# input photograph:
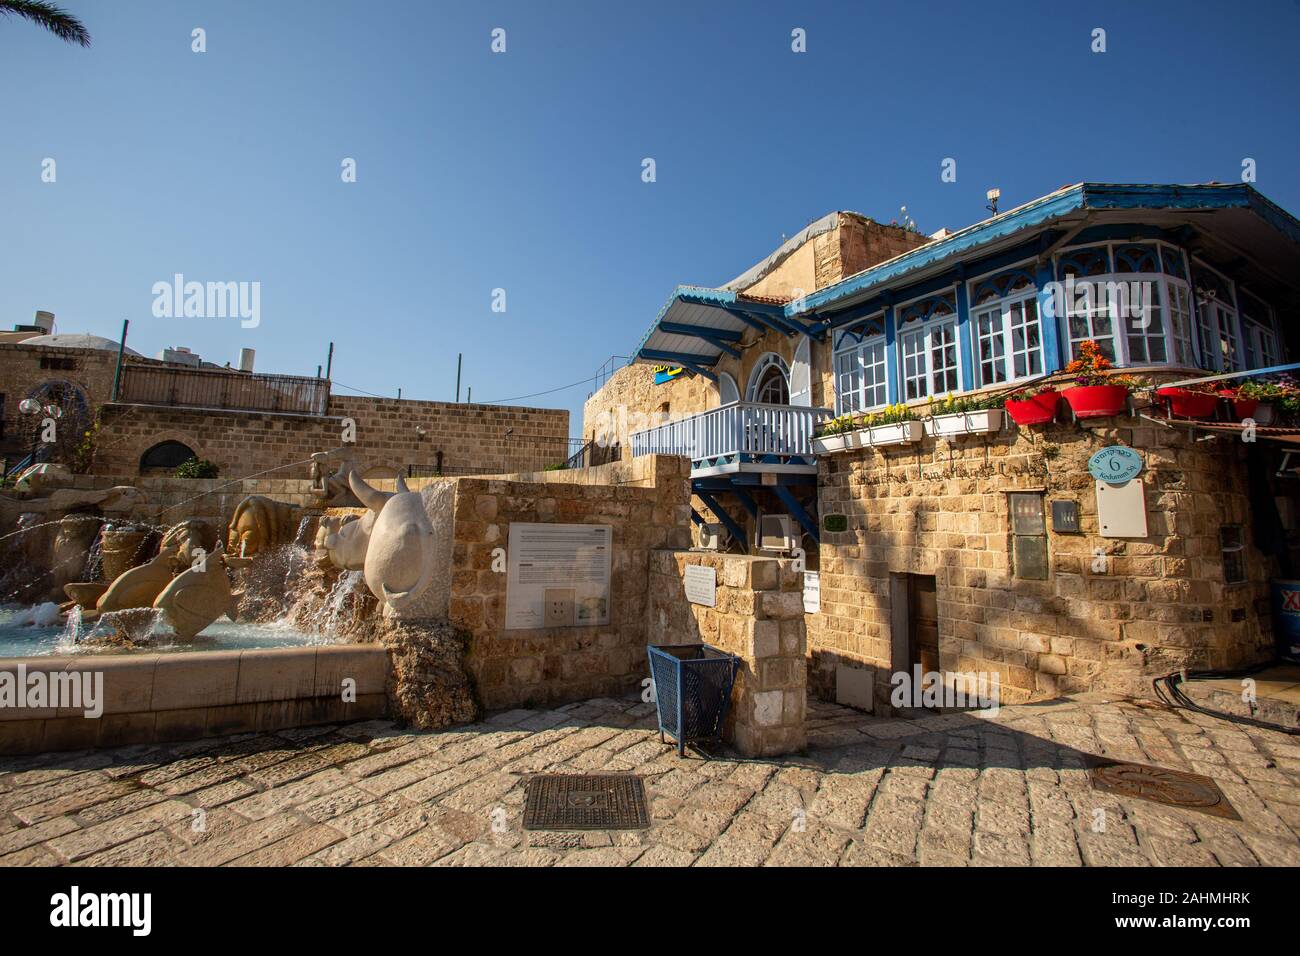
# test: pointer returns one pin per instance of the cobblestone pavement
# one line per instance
(940, 790)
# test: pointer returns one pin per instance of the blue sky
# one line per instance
(522, 170)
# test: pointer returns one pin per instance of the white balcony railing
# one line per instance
(746, 428)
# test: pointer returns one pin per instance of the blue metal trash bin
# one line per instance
(692, 684)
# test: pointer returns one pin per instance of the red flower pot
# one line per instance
(1244, 408)
(1096, 401)
(1034, 411)
(1186, 404)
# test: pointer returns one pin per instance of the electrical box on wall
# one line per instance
(1122, 509)
(1065, 516)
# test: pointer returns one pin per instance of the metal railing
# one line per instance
(741, 427)
(218, 388)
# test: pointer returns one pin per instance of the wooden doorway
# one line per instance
(914, 624)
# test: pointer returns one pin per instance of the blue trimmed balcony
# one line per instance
(738, 437)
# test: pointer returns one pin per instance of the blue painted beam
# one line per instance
(702, 372)
(747, 501)
(965, 338)
(679, 358)
(891, 358)
(700, 331)
(728, 522)
(1049, 323)
(695, 517)
(797, 510)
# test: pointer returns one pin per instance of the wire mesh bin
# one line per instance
(692, 684)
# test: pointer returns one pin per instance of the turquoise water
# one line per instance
(18, 638)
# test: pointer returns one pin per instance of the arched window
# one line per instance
(727, 390)
(769, 383)
(165, 456)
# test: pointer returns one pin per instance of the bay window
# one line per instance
(928, 346)
(1132, 299)
(1008, 337)
(1258, 338)
(1217, 328)
(860, 374)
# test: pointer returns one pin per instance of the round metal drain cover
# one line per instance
(1173, 788)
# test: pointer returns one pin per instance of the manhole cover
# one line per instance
(585, 802)
(1170, 787)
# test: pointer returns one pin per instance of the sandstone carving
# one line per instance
(185, 538)
(343, 539)
(261, 524)
(197, 597)
(138, 587)
(401, 556)
(332, 489)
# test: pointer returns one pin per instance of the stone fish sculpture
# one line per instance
(197, 597)
(401, 555)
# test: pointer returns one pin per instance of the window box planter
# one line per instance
(1096, 401)
(1038, 410)
(1189, 404)
(830, 444)
(984, 421)
(899, 433)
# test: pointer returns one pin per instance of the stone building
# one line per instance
(986, 547)
(165, 412)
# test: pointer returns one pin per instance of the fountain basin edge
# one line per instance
(156, 698)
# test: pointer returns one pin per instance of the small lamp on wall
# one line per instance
(993, 195)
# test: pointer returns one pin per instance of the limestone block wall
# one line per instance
(390, 435)
(148, 698)
(759, 617)
(554, 665)
(1113, 612)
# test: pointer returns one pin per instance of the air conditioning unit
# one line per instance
(711, 537)
(776, 533)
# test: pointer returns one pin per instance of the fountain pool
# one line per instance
(19, 637)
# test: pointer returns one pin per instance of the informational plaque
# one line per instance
(557, 575)
(812, 592)
(701, 585)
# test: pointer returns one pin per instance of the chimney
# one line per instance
(45, 321)
(246, 360)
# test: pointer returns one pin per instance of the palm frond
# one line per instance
(59, 22)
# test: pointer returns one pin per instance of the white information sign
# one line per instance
(557, 575)
(812, 592)
(701, 585)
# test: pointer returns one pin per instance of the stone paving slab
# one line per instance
(939, 790)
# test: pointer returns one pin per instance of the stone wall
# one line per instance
(166, 501)
(390, 435)
(758, 616)
(149, 698)
(1113, 612)
(553, 665)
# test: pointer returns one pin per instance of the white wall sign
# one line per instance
(701, 585)
(557, 575)
(1122, 509)
(812, 592)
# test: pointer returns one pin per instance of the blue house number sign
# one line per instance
(1115, 465)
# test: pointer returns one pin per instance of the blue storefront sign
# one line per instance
(666, 373)
(1286, 619)
(1115, 465)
